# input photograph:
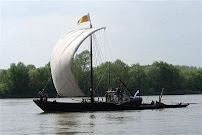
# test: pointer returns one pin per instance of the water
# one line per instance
(22, 116)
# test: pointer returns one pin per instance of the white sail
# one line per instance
(62, 60)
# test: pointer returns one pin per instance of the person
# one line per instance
(45, 97)
(114, 97)
(82, 100)
(152, 102)
(40, 93)
(117, 93)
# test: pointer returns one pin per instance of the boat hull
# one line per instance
(52, 106)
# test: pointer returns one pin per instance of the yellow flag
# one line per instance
(85, 18)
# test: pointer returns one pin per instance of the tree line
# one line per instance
(22, 80)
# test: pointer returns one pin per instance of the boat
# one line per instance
(64, 81)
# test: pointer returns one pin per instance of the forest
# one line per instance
(24, 81)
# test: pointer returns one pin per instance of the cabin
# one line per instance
(116, 96)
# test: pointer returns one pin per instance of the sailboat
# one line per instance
(64, 81)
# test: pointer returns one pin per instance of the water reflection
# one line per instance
(74, 123)
(121, 117)
(92, 116)
(67, 123)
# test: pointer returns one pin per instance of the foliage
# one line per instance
(25, 81)
(81, 70)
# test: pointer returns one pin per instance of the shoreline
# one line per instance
(87, 96)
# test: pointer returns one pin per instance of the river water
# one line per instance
(22, 116)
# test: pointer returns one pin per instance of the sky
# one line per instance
(137, 31)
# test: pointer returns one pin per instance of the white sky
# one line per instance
(138, 31)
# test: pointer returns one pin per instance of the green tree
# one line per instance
(34, 81)
(25, 81)
(138, 79)
(197, 81)
(101, 81)
(4, 84)
(169, 77)
(81, 70)
(154, 79)
(119, 70)
(19, 79)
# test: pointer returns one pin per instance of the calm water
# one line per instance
(22, 116)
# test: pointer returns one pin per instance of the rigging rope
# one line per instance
(46, 84)
(100, 57)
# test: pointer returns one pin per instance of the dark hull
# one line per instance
(176, 106)
(50, 106)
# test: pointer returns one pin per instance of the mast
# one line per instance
(91, 67)
(109, 76)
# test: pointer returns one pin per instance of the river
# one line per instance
(22, 116)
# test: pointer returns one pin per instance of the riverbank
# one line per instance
(36, 96)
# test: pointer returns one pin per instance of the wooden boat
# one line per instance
(54, 106)
(65, 84)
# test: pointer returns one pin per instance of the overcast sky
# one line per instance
(138, 31)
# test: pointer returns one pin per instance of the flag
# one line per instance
(137, 92)
(85, 18)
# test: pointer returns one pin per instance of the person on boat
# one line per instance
(40, 93)
(45, 97)
(118, 93)
(152, 102)
(114, 96)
